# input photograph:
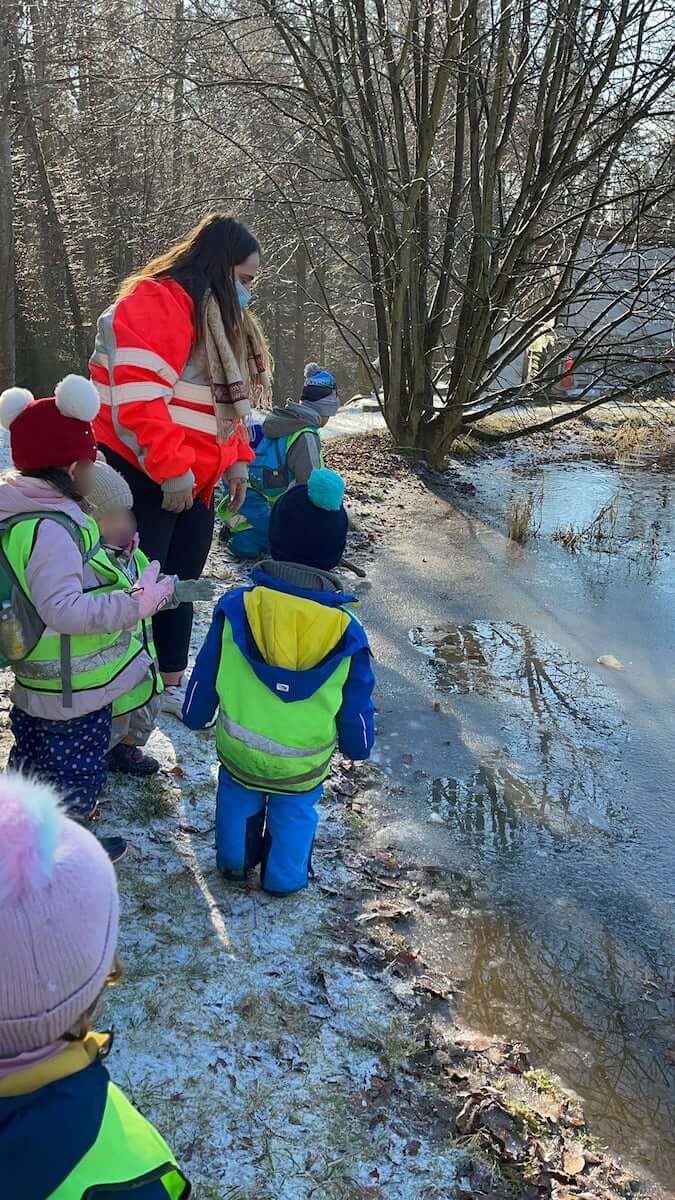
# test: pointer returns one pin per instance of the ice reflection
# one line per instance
(597, 1011)
(570, 933)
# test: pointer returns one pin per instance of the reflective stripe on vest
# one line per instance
(267, 743)
(134, 356)
(82, 662)
(49, 666)
(127, 1153)
(151, 684)
(259, 742)
(195, 413)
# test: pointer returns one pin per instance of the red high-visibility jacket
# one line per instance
(156, 403)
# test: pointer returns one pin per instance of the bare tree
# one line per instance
(485, 150)
(7, 265)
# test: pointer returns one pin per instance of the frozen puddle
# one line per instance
(569, 935)
(546, 716)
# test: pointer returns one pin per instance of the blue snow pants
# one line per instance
(270, 829)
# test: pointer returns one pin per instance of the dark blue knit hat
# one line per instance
(308, 525)
(320, 391)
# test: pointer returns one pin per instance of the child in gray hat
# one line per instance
(134, 714)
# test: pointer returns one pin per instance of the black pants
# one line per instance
(180, 542)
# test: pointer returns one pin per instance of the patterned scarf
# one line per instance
(234, 379)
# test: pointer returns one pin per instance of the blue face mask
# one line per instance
(243, 294)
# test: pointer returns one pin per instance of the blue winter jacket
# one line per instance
(355, 720)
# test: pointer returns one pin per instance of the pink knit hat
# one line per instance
(58, 917)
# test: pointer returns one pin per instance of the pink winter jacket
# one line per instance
(57, 579)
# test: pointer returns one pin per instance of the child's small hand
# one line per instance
(152, 592)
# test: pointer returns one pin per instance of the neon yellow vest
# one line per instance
(271, 459)
(265, 743)
(81, 662)
(151, 684)
(127, 1153)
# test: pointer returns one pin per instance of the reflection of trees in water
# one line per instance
(496, 660)
(497, 808)
(561, 717)
(580, 1002)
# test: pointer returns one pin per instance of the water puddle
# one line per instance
(557, 715)
(568, 941)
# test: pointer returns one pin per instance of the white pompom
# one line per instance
(12, 402)
(77, 397)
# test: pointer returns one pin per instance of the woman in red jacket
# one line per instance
(177, 361)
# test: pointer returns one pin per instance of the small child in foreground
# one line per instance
(135, 713)
(66, 1131)
(288, 666)
(81, 652)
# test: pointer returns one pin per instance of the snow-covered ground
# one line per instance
(245, 1026)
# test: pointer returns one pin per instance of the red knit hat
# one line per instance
(55, 432)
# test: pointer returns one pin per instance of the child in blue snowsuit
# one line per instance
(288, 667)
(287, 449)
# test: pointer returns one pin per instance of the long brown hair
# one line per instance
(203, 261)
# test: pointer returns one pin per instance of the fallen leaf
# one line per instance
(413, 1147)
(407, 957)
(213, 1067)
(503, 1127)
(573, 1162)
(475, 1041)
(431, 988)
(384, 911)
(344, 787)
(385, 857)
(407, 759)
(177, 771)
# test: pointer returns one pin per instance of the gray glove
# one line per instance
(177, 502)
(194, 589)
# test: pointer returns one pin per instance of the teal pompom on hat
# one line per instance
(326, 489)
(308, 525)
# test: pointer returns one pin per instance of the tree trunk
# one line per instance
(7, 264)
(34, 148)
(300, 296)
(178, 57)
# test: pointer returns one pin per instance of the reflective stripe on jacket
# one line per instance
(152, 378)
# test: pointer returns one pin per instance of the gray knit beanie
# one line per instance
(109, 490)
